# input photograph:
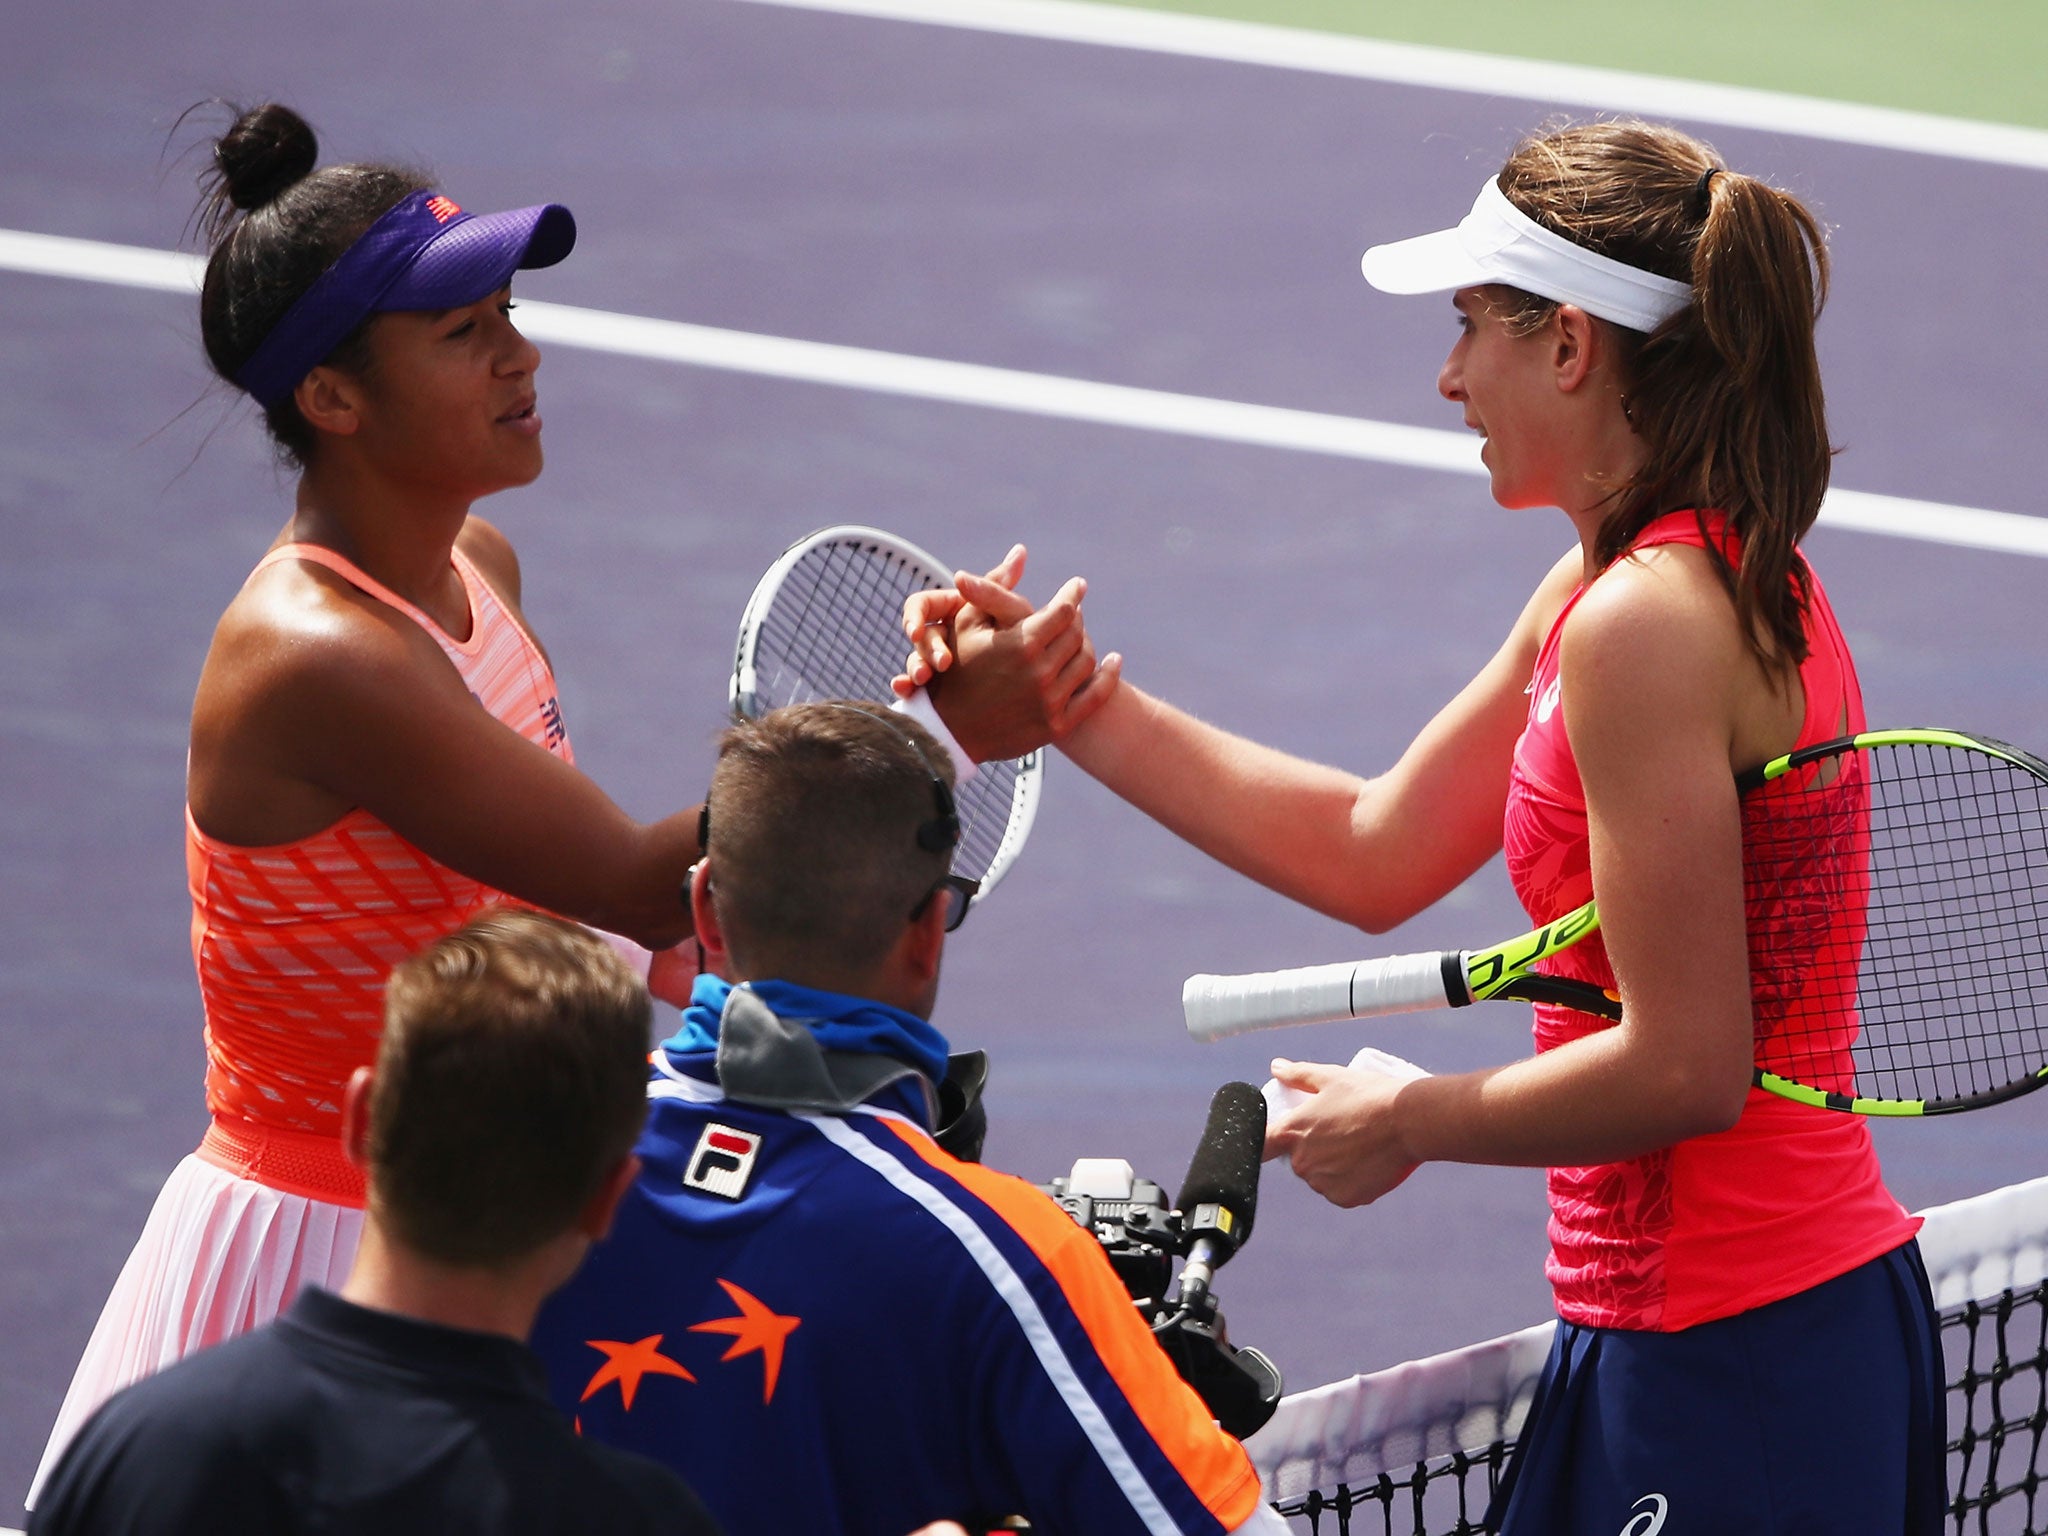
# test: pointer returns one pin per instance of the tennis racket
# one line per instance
(826, 622)
(1901, 879)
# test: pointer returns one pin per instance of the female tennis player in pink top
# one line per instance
(378, 749)
(1747, 1340)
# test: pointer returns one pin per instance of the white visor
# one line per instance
(1498, 243)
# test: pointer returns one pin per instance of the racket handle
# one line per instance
(919, 707)
(1218, 1006)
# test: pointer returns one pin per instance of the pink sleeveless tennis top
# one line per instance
(293, 942)
(1790, 1195)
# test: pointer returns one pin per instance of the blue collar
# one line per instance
(855, 1025)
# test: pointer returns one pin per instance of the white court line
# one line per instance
(95, 261)
(1450, 69)
(1009, 389)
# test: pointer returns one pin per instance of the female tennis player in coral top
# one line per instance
(378, 750)
(1747, 1339)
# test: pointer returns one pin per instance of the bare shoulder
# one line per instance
(304, 668)
(300, 631)
(1669, 598)
(1657, 631)
(486, 545)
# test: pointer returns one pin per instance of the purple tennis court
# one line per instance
(1056, 209)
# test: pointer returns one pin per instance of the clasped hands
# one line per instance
(1007, 678)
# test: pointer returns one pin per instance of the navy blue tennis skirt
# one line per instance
(1820, 1414)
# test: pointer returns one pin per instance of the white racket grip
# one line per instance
(1220, 1006)
(919, 707)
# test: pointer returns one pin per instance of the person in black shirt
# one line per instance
(496, 1132)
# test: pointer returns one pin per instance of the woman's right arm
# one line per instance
(1371, 852)
(338, 704)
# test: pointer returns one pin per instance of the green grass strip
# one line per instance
(1981, 59)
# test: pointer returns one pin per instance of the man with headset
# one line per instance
(821, 1317)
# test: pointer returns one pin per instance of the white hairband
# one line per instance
(1498, 243)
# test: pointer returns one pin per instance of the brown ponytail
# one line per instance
(1726, 395)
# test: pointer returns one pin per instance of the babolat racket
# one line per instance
(1902, 878)
(826, 622)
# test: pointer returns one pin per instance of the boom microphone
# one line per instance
(1220, 1196)
(1130, 1219)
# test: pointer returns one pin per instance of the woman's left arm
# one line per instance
(1654, 680)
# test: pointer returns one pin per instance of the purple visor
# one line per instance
(426, 253)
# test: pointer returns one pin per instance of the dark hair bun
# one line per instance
(268, 148)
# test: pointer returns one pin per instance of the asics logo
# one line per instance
(1650, 1521)
(1547, 705)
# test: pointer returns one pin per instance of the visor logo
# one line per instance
(722, 1162)
(443, 209)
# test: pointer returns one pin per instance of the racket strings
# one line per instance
(808, 649)
(1980, 908)
(824, 635)
(1937, 991)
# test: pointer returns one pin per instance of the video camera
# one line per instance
(1205, 1226)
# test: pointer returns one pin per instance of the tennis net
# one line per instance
(1417, 1450)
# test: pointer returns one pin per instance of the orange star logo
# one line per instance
(756, 1327)
(627, 1363)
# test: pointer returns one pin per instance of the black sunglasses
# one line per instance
(960, 893)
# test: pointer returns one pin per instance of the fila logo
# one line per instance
(443, 209)
(723, 1161)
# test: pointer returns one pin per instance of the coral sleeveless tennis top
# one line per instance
(1790, 1195)
(293, 942)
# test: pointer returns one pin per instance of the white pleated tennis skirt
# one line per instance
(220, 1255)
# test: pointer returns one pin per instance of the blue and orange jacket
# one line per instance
(826, 1323)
